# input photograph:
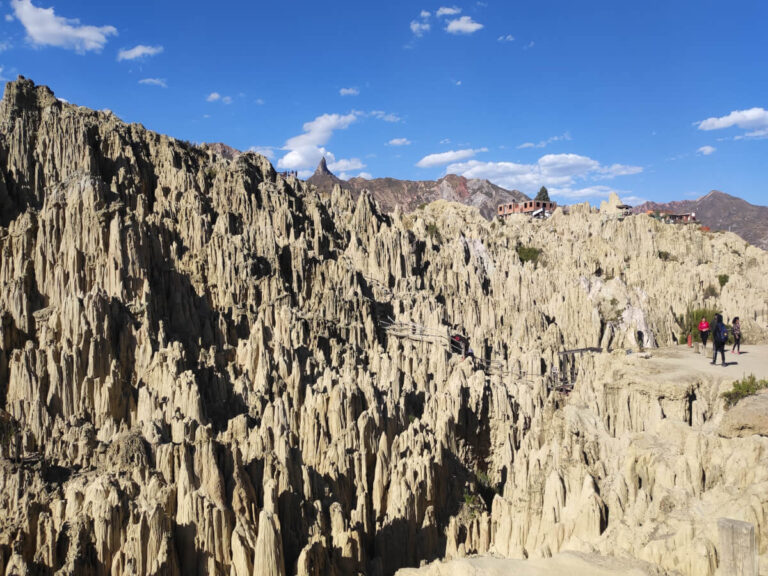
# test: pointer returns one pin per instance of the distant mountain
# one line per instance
(325, 180)
(223, 150)
(409, 195)
(720, 211)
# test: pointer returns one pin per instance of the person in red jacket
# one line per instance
(704, 331)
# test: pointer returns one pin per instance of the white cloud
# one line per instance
(259, 101)
(445, 141)
(754, 135)
(305, 150)
(441, 158)
(419, 28)
(566, 165)
(9, 17)
(425, 14)
(139, 51)
(544, 143)
(752, 119)
(154, 82)
(457, 82)
(365, 175)
(448, 11)
(386, 116)
(530, 45)
(619, 170)
(633, 200)
(346, 164)
(349, 91)
(584, 193)
(216, 97)
(560, 171)
(319, 131)
(267, 151)
(506, 38)
(44, 28)
(463, 25)
(2, 78)
(706, 150)
(304, 158)
(5, 45)
(399, 142)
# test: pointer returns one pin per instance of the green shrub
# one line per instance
(665, 256)
(710, 291)
(422, 206)
(471, 500)
(484, 480)
(743, 388)
(528, 254)
(689, 322)
(434, 232)
(723, 279)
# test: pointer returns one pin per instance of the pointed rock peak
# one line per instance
(322, 168)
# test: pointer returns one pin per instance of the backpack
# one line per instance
(722, 333)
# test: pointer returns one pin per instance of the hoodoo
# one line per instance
(196, 374)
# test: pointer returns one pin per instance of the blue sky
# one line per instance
(656, 100)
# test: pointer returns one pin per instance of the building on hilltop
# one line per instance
(533, 208)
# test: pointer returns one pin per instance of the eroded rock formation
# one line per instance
(191, 352)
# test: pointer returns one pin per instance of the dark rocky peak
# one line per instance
(322, 169)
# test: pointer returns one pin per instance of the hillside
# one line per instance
(208, 368)
(720, 211)
(409, 195)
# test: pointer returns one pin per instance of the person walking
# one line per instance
(704, 331)
(719, 337)
(736, 331)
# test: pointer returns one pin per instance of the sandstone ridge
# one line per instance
(195, 378)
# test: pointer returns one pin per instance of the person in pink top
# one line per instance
(704, 331)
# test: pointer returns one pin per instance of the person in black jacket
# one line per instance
(719, 338)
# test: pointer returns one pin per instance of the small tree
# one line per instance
(528, 254)
(543, 195)
(723, 279)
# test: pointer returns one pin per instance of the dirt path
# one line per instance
(566, 563)
(681, 360)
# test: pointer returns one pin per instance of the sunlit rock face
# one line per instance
(193, 362)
